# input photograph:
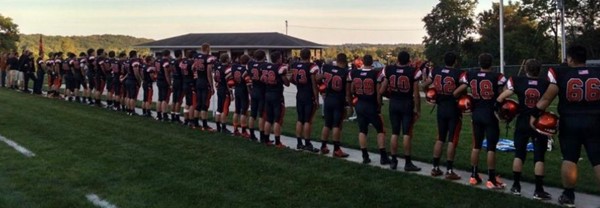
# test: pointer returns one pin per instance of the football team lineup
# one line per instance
(255, 86)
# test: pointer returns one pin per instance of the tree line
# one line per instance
(531, 29)
(78, 44)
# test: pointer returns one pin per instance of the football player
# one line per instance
(163, 82)
(177, 86)
(336, 99)
(132, 78)
(90, 76)
(242, 80)
(189, 91)
(529, 90)
(274, 75)
(402, 83)
(101, 66)
(221, 76)
(485, 86)
(203, 69)
(366, 85)
(578, 91)
(449, 118)
(149, 76)
(257, 96)
(304, 77)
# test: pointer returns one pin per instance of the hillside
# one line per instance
(79, 43)
(378, 51)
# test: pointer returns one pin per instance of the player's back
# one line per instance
(529, 91)
(579, 89)
(301, 77)
(445, 81)
(271, 75)
(254, 70)
(401, 81)
(238, 72)
(485, 88)
(364, 84)
(335, 78)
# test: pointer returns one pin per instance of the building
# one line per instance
(236, 44)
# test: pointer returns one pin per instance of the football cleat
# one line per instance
(495, 185)
(366, 160)
(451, 175)
(435, 172)
(384, 160)
(475, 180)
(207, 129)
(340, 153)
(542, 195)
(411, 168)
(280, 146)
(310, 148)
(566, 201)
(299, 147)
(394, 164)
(515, 190)
(324, 150)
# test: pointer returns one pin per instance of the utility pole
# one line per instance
(561, 7)
(286, 27)
(502, 36)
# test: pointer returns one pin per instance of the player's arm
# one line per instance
(417, 98)
(462, 89)
(282, 72)
(315, 89)
(426, 83)
(138, 75)
(168, 71)
(209, 74)
(379, 101)
(509, 91)
(548, 97)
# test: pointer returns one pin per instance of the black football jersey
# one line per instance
(221, 73)
(401, 80)
(187, 69)
(177, 71)
(272, 76)
(302, 78)
(364, 83)
(201, 64)
(162, 66)
(579, 89)
(528, 90)
(335, 78)
(485, 87)
(254, 70)
(445, 81)
(238, 72)
(147, 71)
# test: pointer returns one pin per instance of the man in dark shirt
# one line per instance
(27, 68)
(203, 70)
(274, 75)
(304, 77)
(13, 72)
(177, 85)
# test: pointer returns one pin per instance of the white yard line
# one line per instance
(17, 147)
(96, 200)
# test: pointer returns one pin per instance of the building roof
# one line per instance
(233, 41)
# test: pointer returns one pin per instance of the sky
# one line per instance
(321, 21)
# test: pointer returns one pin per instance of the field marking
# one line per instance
(17, 147)
(96, 200)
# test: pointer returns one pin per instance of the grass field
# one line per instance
(137, 162)
(425, 132)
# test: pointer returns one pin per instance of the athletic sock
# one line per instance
(539, 183)
(224, 126)
(365, 153)
(569, 192)
(492, 175)
(252, 132)
(204, 123)
(277, 139)
(449, 164)
(323, 144)
(436, 162)
(407, 159)
(243, 129)
(307, 142)
(299, 139)
(159, 115)
(517, 178)
(219, 126)
(336, 145)
(394, 157)
(474, 171)
(382, 153)
(166, 116)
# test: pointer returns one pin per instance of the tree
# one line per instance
(548, 16)
(524, 36)
(583, 24)
(448, 25)
(9, 34)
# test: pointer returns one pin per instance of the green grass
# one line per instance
(136, 162)
(425, 132)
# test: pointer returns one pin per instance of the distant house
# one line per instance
(236, 44)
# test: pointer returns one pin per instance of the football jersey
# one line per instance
(485, 87)
(302, 78)
(335, 78)
(528, 90)
(177, 72)
(147, 72)
(133, 64)
(401, 80)
(254, 70)
(221, 72)
(364, 83)
(201, 64)
(114, 67)
(71, 66)
(445, 81)
(579, 89)
(101, 67)
(186, 69)
(272, 76)
(238, 72)
(91, 64)
(162, 66)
